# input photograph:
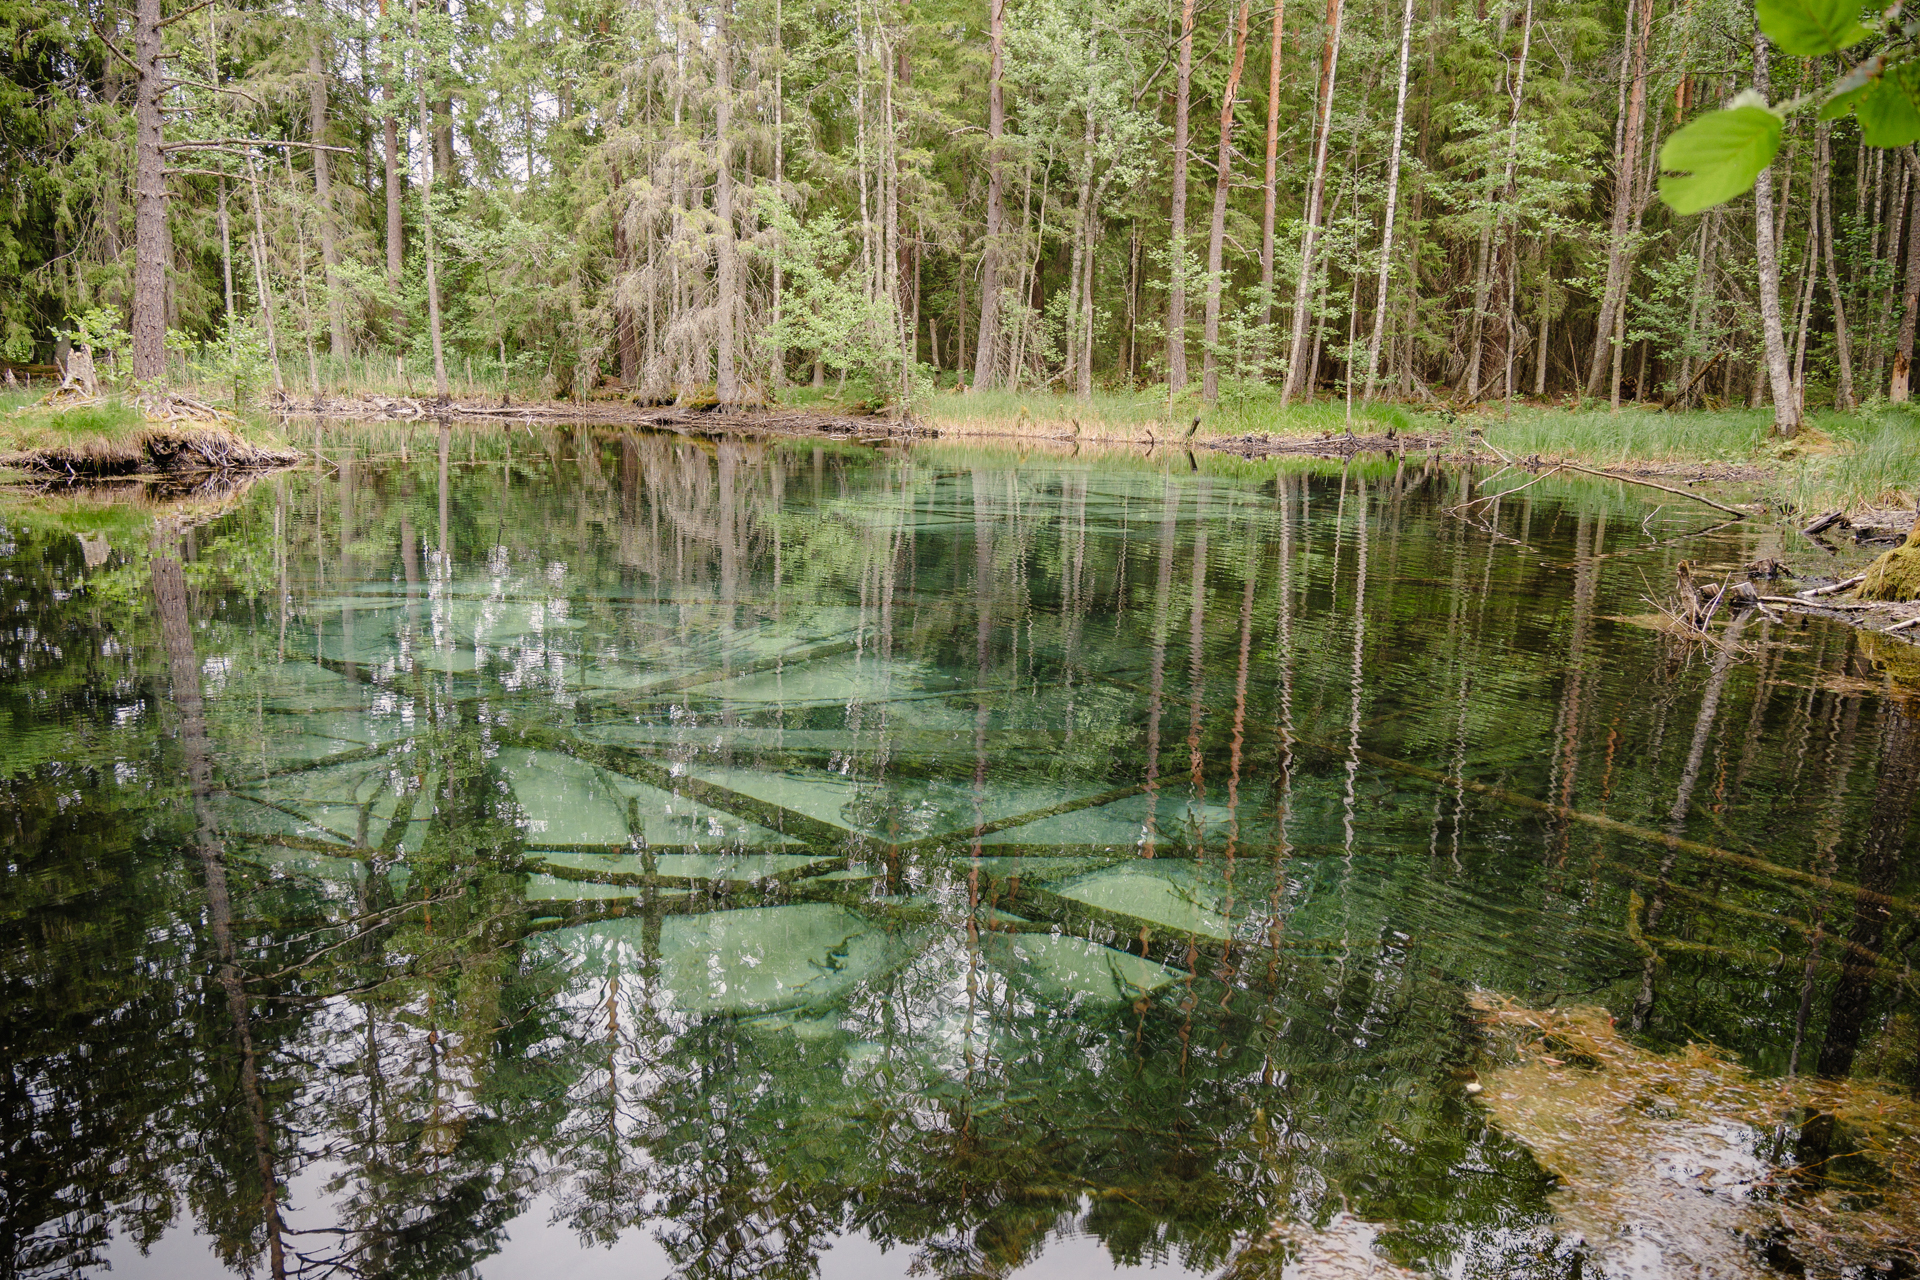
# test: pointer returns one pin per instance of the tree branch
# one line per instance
(113, 48)
(184, 13)
(222, 144)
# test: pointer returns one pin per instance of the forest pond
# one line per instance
(577, 853)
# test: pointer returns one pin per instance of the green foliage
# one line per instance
(1717, 157)
(1809, 28)
(1888, 116)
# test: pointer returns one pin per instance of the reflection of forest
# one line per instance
(753, 843)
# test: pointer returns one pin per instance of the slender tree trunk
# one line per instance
(390, 133)
(1177, 232)
(1803, 310)
(426, 225)
(1316, 193)
(260, 278)
(1077, 298)
(727, 285)
(1897, 391)
(149, 201)
(1842, 339)
(1626, 166)
(1785, 419)
(1273, 163)
(1546, 314)
(1492, 238)
(1217, 232)
(323, 196)
(779, 355)
(987, 337)
(1893, 242)
(226, 261)
(1393, 201)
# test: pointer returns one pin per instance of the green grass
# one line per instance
(30, 426)
(1849, 461)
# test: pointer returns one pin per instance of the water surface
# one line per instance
(586, 854)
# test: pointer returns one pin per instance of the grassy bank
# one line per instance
(1856, 461)
(112, 437)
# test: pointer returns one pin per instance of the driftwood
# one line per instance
(1832, 588)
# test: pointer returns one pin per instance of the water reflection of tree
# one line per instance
(451, 1073)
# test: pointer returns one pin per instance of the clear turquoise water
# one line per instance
(584, 854)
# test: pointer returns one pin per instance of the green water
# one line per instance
(568, 854)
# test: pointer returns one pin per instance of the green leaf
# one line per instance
(1809, 28)
(1887, 114)
(1841, 104)
(1717, 157)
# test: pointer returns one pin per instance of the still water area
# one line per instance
(577, 853)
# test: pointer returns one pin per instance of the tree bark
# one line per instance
(390, 133)
(727, 285)
(149, 202)
(1897, 391)
(1217, 231)
(323, 196)
(1316, 192)
(1393, 200)
(1273, 164)
(1177, 232)
(1785, 418)
(1626, 163)
(986, 338)
(426, 226)
(1842, 339)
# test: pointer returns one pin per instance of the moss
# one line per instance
(1895, 575)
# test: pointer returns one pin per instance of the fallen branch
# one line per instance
(1833, 587)
(1735, 512)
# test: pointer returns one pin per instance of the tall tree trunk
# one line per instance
(1893, 242)
(1785, 418)
(1393, 200)
(1897, 391)
(1492, 238)
(778, 376)
(1272, 182)
(1842, 339)
(625, 337)
(390, 133)
(1217, 231)
(426, 225)
(323, 196)
(149, 202)
(1546, 314)
(444, 166)
(1177, 232)
(1626, 166)
(986, 339)
(262, 286)
(1077, 293)
(726, 382)
(1316, 192)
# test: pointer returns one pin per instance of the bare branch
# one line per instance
(184, 13)
(113, 48)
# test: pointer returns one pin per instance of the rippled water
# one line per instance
(482, 851)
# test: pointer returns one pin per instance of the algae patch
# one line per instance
(1688, 1165)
